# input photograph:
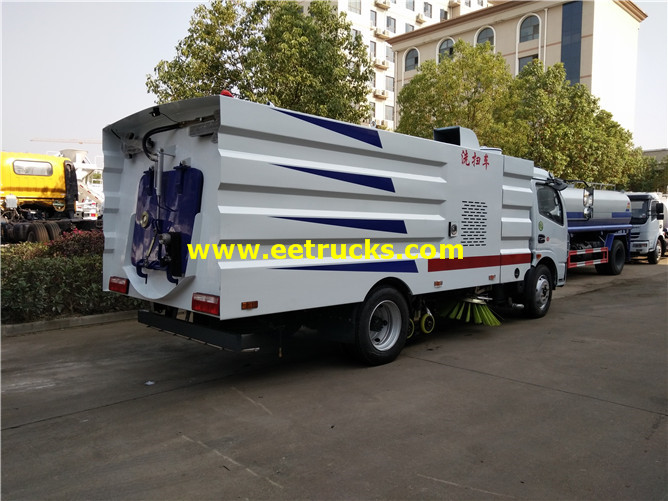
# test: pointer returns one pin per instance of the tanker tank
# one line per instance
(611, 209)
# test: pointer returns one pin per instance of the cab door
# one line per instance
(550, 233)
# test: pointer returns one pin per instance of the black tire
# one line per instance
(616, 259)
(381, 326)
(538, 292)
(655, 256)
(53, 230)
(37, 233)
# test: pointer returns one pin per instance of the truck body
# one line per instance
(647, 233)
(298, 188)
(38, 197)
(598, 235)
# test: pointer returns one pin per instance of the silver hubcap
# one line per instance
(385, 325)
(542, 291)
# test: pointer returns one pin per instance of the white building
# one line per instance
(379, 20)
(596, 40)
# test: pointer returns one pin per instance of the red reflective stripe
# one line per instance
(477, 262)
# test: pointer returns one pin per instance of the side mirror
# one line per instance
(588, 212)
(659, 211)
(588, 197)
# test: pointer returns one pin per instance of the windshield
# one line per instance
(639, 211)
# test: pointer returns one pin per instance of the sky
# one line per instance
(70, 68)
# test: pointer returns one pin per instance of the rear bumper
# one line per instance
(226, 340)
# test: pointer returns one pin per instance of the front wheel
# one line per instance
(655, 256)
(538, 292)
(381, 326)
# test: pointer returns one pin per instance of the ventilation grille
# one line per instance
(474, 224)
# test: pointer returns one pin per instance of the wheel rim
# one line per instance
(385, 325)
(542, 293)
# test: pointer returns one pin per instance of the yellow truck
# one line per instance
(38, 195)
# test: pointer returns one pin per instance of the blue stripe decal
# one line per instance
(586, 229)
(364, 134)
(380, 183)
(376, 266)
(387, 225)
(615, 215)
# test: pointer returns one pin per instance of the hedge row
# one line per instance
(59, 278)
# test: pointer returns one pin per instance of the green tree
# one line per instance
(538, 115)
(208, 60)
(270, 51)
(566, 130)
(470, 89)
(652, 176)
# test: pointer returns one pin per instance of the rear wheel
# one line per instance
(37, 233)
(538, 292)
(655, 256)
(616, 259)
(381, 326)
(53, 230)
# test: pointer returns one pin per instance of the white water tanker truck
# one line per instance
(599, 234)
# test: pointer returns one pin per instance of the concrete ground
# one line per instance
(571, 406)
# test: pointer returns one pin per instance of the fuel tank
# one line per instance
(611, 208)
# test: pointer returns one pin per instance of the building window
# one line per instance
(412, 60)
(467, 3)
(529, 29)
(355, 6)
(486, 35)
(389, 112)
(356, 33)
(523, 61)
(389, 53)
(481, 3)
(372, 110)
(391, 24)
(446, 49)
(427, 9)
(374, 18)
(389, 83)
(410, 4)
(372, 49)
(409, 27)
(571, 39)
(443, 16)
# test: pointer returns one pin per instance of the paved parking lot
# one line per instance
(572, 406)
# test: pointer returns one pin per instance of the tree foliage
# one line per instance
(270, 51)
(538, 115)
(467, 89)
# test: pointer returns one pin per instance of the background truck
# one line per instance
(599, 228)
(38, 197)
(218, 170)
(647, 235)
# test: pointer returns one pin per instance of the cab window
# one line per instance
(549, 204)
(32, 168)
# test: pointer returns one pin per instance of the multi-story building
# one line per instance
(596, 40)
(379, 20)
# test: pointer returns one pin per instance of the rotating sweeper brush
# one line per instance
(472, 310)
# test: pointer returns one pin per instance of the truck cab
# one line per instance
(647, 237)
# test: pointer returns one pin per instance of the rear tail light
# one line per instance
(118, 284)
(206, 303)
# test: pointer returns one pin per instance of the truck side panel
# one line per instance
(273, 176)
